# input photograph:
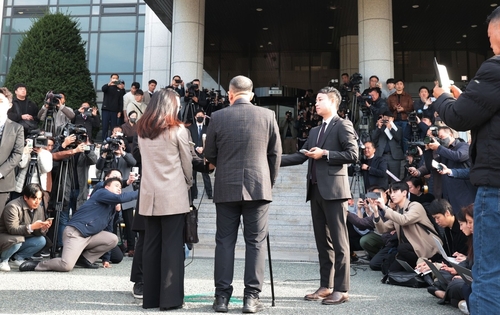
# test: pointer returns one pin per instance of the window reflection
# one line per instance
(116, 52)
(118, 23)
(21, 25)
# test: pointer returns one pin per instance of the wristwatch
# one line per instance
(325, 154)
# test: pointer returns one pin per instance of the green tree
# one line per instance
(51, 56)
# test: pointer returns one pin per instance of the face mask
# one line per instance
(445, 142)
(200, 119)
(133, 120)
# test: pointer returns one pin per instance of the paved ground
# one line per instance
(108, 291)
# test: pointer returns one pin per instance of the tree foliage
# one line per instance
(51, 56)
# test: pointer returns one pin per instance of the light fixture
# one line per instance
(265, 28)
(212, 44)
(269, 43)
(473, 25)
(332, 7)
(464, 36)
(329, 43)
(404, 26)
(493, 5)
(395, 43)
(331, 27)
(258, 9)
(20, 12)
(415, 6)
(261, 46)
(459, 42)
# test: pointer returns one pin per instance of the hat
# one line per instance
(139, 92)
(388, 113)
(18, 85)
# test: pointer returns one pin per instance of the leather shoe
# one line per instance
(251, 304)
(320, 294)
(220, 304)
(336, 297)
(84, 263)
(432, 290)
(28, 265)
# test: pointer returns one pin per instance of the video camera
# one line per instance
(52, 99)
(38, 137)
(79, 131)
(114, 144)
(192, 89)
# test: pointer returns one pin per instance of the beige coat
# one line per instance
(166, 173)
(422, 242)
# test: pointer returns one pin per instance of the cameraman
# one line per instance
(62, 116)
(417, 129)
(117, 158)
(178, 85)
(377, 105)
(288, 133)
(196, 95)
(87, 117)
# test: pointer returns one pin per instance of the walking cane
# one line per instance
(270, 270)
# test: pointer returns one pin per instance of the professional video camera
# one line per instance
(52, 99)
(38, 138)
(192, 89)
(79, 131)
(113, 144)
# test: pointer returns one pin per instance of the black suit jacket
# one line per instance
(381, 139)
(340, 140)
(193, 129)
(376, 175)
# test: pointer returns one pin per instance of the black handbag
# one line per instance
(191, 226)
(408, 279)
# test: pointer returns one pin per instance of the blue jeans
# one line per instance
(486, 268)
(24, 250)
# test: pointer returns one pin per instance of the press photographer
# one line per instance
(288, 133)
(375, 103)
(195, 95)
(55, 108)
(88, 117)
(113, 155)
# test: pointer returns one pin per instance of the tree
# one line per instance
(51, 56)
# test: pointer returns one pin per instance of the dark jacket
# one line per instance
(380, 139)
(478, 109)
(97, 213)
(454, 240)
(90, 123)
(113, 98)
(405, 100)
(376, 175)
(17, 110)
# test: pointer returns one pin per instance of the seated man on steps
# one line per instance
(88, 234)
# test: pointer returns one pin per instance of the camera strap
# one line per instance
(138, 108)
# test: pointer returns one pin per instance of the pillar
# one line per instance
(349, 50)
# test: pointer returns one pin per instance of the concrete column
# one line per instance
(157, 44)
(349, 58)
(188, 33)
(376, 51)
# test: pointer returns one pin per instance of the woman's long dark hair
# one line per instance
(160, 114)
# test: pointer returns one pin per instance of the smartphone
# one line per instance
(372, 195)
(437, 165)
(49, 219)
(303, 151)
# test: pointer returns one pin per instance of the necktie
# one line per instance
(199, 132)
(321, 135)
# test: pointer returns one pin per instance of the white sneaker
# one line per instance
(462, 306)
(4, 266)
(17, 262)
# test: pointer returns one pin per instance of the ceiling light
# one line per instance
(259, 9)
(404, 26)
(459, 42)
(473, 25)
(329, 43)
(265, 28)
(415, 6)
(395, 43)
(464, 36)
(332, 7)
(493, 5)
(261, 46)
(20, 12)
(331, 27)
(269, 43)
(212, 44)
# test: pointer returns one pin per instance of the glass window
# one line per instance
(118, 23)
(9, 2)
(141, 23)
(6, 25)
(118, 10)
(2, 80)
(95, 10)
(92, 52)
(142, 10)
(5, 53)
(119, 1)
(95, 24)
(83, 23)
(8, 12)
(74, 1)
(53, 2)
(21, 25)
(31, 2)
(85, 38)
(140, 52)
(75, 10)
(116, 52)
(14, 44)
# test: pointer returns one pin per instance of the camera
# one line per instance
(178, 81)
(434, 131)
(113, 144)
(87, 112)
(52, 99)
(367, 98)
(79, 131)
(38, 138)
(428, 140)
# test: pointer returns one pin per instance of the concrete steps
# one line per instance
(290, 228)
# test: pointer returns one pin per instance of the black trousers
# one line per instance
(163, 262)
(255, 227)
(332, 241)
(136, 271)
(128, 218)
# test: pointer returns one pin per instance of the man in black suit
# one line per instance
(373, 168)
(330, 148)
(247, 158)
(197, 131)
(12, 144)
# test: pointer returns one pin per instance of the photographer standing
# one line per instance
(112, 104)
(377, 105)
(63, 114)
(196, 95)
(23, 111)
(288, 134)
(87, 117)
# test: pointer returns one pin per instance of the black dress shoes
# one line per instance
(84, 263)
(220, 304)
(251, 305)
(28, 265)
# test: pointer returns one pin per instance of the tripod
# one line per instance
(357, 182)
(189, 113)
(49, 125)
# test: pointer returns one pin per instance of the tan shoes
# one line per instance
(320, 294)
(336, 297)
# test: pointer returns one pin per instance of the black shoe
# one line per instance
(210, 197)
(84, 263)
(28, 265)
(251, 305)
(137, 290)
(220, 304)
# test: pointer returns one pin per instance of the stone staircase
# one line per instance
(290, 228)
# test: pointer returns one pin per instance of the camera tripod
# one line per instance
(357, 182)
(49, 125)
